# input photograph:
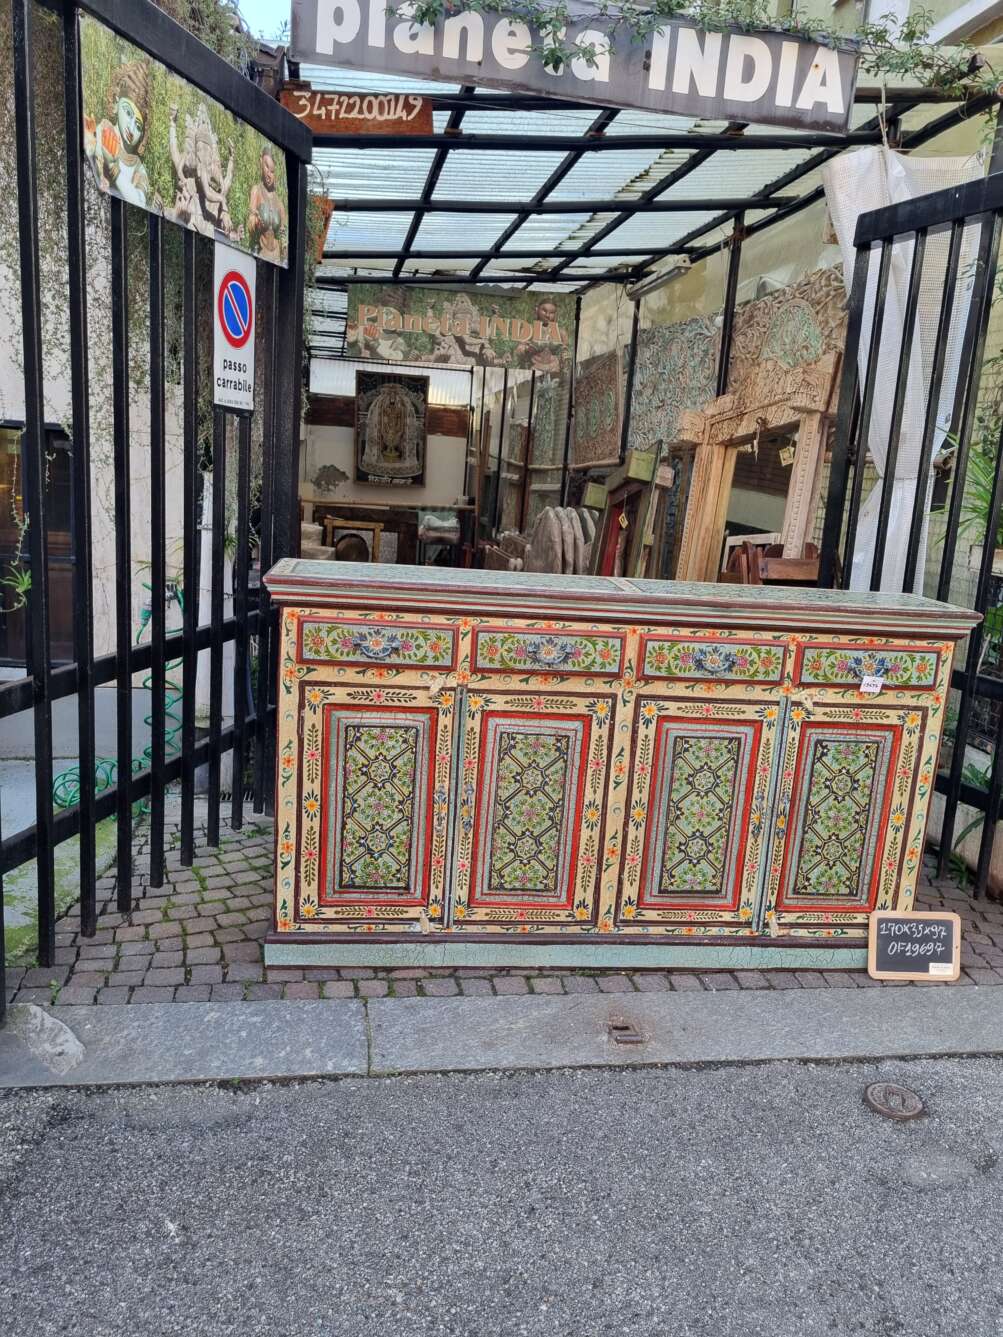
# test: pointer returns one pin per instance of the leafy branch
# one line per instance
(886, 46)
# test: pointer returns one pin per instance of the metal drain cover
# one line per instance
(893, 1102)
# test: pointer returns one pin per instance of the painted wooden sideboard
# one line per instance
(495, 768)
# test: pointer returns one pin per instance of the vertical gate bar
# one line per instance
(496, 509)
(83, 590)
(33, 456)
(730, 297)
(241, 568)
(479, 456)
(933, 400)
(262, 725)
(190, 550)
(866, 405)
(966, 397)
(123, 550)
(289, 385)
(968, 694)
(898, 403)
(524, 495)
(847, 424)
(628, 393)
(3, 942)
(158, 553)
(219, 435)
(964, 414)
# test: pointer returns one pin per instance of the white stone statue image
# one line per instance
(202, 186)
(115, 144)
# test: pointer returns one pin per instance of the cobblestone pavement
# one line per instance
(199, 939)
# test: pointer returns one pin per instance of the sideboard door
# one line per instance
(368, 773)
(692, 847)
(532, 799)
(849, 817)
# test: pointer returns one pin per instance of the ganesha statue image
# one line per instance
(115, 145)
(202, 187)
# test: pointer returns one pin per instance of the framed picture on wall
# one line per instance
(353, 541)
(391, 413)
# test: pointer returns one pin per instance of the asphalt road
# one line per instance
(746, 1201)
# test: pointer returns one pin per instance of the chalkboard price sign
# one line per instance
(922, 945)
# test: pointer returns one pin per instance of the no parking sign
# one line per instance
(233, 322)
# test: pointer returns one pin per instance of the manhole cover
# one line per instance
(894, 1102)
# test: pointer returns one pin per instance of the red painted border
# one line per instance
(425, 860)
(364, 664)
(560, 671)
(866, 646)
(815, 907)
(703, 677)
(473, 898)
(650, 831)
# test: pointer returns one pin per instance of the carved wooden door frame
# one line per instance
(773, 399)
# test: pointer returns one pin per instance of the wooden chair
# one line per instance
(752, 565)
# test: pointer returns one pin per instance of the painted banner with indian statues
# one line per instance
(160, 143)
(464, 328)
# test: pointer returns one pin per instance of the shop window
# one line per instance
(15, 562)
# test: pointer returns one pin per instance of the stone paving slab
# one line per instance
(267, 1041)
(199, 938)
(409, 1036)
(202, 1042)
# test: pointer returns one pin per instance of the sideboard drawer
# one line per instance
(913, 668)
(361, 644)
(543, 650)
(691, 657)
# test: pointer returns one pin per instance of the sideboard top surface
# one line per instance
(362, 585)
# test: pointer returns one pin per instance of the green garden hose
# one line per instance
(66, 786)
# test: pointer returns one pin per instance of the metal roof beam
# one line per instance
(639, 206)
(597, 128)
(431, 181)
(463, 280)
(554, 253)
(579, 144)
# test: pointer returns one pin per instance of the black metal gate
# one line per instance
(139, 246)
(944, 246)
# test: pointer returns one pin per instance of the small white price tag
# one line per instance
(870, 685)
(942, 968)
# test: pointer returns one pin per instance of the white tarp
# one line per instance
(855, 183)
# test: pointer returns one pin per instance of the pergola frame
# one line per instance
(776, 196)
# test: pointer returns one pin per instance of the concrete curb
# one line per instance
(196, 1042)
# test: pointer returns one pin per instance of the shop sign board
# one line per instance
(327, 113)
(157, 142)
(461, 327)
(768, 78)
(918, 945)
(233, 330)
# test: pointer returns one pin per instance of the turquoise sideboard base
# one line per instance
(573, 956)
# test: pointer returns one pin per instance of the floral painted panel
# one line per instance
(531, 810)
(838, 815)
(325, 641)
(846, 665)
(376, 797)
(701, 775)
(722, 659)
(696, 818)
(597, 412)
(547, 652)
(526, 832)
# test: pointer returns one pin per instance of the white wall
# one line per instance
(444, 463)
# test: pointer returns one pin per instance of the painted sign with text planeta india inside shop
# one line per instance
(532, 330)
(769, 78)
